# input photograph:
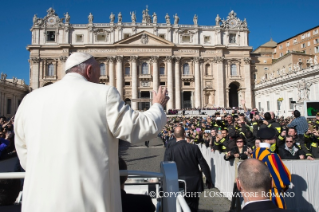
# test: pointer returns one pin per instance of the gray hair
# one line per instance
(81, 68)
(254, 176)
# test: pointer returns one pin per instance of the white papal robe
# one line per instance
(66, 137)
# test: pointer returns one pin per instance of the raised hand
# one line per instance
(160, 97)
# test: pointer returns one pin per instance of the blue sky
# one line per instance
(277, 19)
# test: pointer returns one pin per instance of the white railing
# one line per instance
(169, 183)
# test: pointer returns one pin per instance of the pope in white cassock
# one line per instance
(66, 137)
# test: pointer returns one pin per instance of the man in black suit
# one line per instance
(133, 202)
(187, 157)
(254, 183)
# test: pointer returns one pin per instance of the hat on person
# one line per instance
(318, 114)
(266, 133)
(76, 59)
(241, 114)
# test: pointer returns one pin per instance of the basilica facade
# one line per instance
(201, 66)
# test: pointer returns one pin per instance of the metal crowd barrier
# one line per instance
(302, 196)
(169, 184)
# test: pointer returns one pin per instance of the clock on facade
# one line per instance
(232, 23)
(51, 21)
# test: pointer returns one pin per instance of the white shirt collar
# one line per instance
(264, 145)
(246, 203)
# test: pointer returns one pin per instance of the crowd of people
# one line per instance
(7, 148)
(235, 134)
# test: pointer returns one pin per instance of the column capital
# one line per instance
(35, 59)
(218, 59)
(197, 59)
(110, 59)
(247, 60)
(133, 58)
(154, 59)
(119, 59)
(177, 59)
(169, 59)
(63, 58)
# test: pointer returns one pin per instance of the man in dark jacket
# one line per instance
(187, 158)
(290, 150)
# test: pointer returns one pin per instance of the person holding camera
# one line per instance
(240, 151)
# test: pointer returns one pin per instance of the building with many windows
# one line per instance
(12, 92)
(202, 66)
(286, 72)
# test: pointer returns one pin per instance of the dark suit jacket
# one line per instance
(285, 154)
(170, 142)
(235, 150)
(136, 203)
(187, 157)
(264, 206)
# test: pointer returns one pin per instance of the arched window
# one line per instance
(127, 69)
(50, 72)
(162, 69)
(145, 68)
(102, 69)
(186, 69)
(207, 69)
(233, 70)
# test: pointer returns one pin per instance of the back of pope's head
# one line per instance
(254, 176)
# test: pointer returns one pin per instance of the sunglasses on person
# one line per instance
(239, 141)
(289, 141)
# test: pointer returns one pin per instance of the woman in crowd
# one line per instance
(240, 151)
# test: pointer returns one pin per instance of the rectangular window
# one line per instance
(162, 70)
(232, 38)
(259, 106)
(206, 39)
(101, 37)
(79, 38)
(316, 49)
(308, 34)
(127, 83)
(308, 43)
(316, 41)
(315, 31)
(281, 54)
(295, 40)
(278, 105)
(291, 105)
(275, 50)
(303, 45)
(162, 36)
(162, 83)
(127, 71)
(51, 36)
(280, 47)
(268, 106)
(287, 44)
(186, 39)
(233, 70)
(187, 83)
(8, 106)
(302, 36)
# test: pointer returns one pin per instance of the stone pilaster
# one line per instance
(177, 83)
(220, 95)
(111, 71)
(119, 75)
(170, 85)
(197, 82)
(248, 91)
(155, 73)
(134, 82)
(34, 84)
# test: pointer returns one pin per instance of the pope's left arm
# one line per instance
(19, 136)
(133, 126)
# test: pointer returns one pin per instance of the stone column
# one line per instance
(227, 97)
(134, 82)
(119, 75)
(197, 82)
(35, 72)
(220, 82)
(177, 83)
(111, 71)
(170, 85)
(155, 73)
(248, 92)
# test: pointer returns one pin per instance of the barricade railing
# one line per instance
(302, 196)
(169, 183)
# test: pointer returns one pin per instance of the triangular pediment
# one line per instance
(144, 39)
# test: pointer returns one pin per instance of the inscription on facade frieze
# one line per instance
(186, 51)
(123, 50)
